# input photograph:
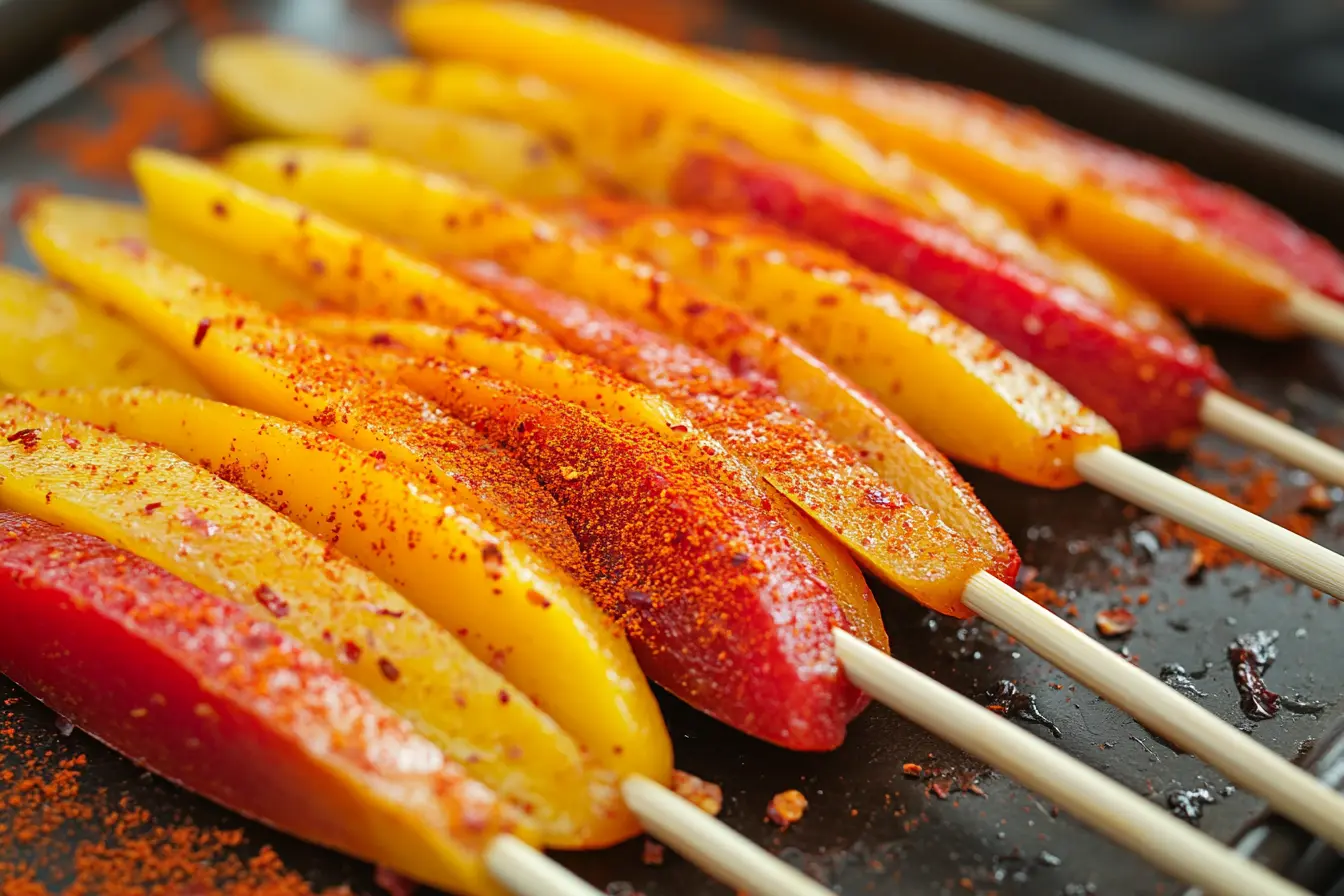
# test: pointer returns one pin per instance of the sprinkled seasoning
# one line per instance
(274, 603)
(28, 438)
(786, 808)
(706, 796)
(202, 329)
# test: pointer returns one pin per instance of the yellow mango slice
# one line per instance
(51, 339)
(586, 678)
(274, 86)
(214, 536)
(636, 153)
(381, 517)
(335, 264)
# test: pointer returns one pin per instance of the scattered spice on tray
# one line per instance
(786, 808)
(89, 842)
(653, 853)
(1253, 485)
(1115, 621)
(705, 795)
(148, 105)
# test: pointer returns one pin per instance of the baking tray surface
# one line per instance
(874, 825)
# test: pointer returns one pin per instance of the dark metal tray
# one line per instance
(871, 828)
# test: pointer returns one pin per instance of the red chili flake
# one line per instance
(70, 442)
(384, 611)
(493, 558)
(274, 603)
(786, 808)
(705, 795)
(378, 456)
(351, 652)
(28, 438)
(219, 209)
(151, 507)
(912, 770)
(694, 309)
(199, 523)
(828, 300)
(538, 600)
(238, 322)
(380, 339)
(202, 328)
(653, 853)
(503, 697)
(389, 670)
(1115, 622)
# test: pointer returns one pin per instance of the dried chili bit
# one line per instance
(653, 853)
(202, 328)
(786, 808)
(274, 603)
(388, 668)
(28, 438)
(705, 795)
(1115, 621)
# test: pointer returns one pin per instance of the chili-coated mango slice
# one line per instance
(50, 338)
(1215, 253)
(445, 218)
(894, 536)
(335, 264)
(196, 689)
(275, 86)
(381, 517)
(253, 360)
(954, 385)
(722, 606)
(581, 381)
(1119, 352)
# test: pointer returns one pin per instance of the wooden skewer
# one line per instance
(1225, 415)
(1091, 797)
(713, 846)
(1290, 790)
(525, 872)
(1162, 493)
(1316, 314)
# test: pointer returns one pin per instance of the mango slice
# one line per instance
(275, 86)
(50, 338)
(194, 688)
